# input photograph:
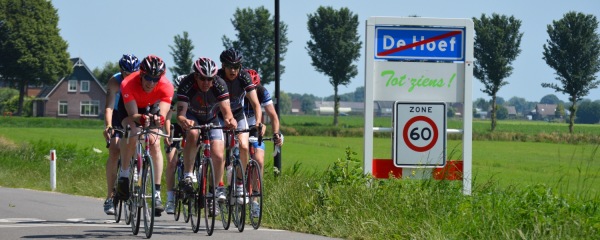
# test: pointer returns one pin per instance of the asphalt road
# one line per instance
(48, 215)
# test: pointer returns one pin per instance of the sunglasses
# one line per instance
(233, 66)
(202, 78)
(151, 79)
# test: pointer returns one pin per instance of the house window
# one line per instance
(90, 108)
(63, 108)
(72, 85)
(85, 86)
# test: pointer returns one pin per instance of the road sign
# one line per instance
(420, 134)
(419, 43)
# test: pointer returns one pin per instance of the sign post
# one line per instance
(53, 169)
(424, 64)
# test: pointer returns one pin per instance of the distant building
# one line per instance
(79, 95)
(544, 112)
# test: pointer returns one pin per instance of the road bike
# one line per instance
(234, 208)
(118, 201)
(141, 182)
(178, 144)
(254, 182)
(202, 202)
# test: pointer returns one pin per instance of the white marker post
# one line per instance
(53, 169)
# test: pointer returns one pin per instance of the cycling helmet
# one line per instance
(231, 57)
(254, 75)
(153, 66)
(177, 80)
(205, 67)
(129, 63)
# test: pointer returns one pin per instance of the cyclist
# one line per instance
(171, 150)
(240, 86)
(259, 148)
(139, 90)
(200, 96)
(128, 64)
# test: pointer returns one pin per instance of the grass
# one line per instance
(522, 190)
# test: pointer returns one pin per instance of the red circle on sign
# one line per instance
(407, 140)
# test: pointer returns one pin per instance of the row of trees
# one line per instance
(34, 52)
(572, 50)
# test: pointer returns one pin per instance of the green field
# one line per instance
(521, 190)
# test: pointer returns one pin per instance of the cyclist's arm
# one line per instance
(227, 115)
(132, 112)
(111, 91)
(255, 105)
(270, 109)
(181, 119)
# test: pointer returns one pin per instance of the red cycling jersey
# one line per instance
(131, 89)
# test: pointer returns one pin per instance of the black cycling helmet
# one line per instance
(231, 57)
(153, 66)
(129, 63)
(205, 67)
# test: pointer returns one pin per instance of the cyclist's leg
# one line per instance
(157, 160)
(217, 149)
(171, 165)
(243, 141)
(127, 149)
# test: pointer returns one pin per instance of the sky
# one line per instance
(100, 31)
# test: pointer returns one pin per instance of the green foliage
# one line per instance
(588, 112)
(104, 74)
(5, 95)
(32, 50)
(12, 105)
(182, 55)
(501, 112)
(256, 40)
(285, 103)
(346, 171)
(334, 46)
(573, 50)
(550, 99)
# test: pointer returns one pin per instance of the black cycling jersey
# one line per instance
(237, 91)
(203, 105)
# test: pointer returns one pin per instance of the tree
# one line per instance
(32, 50)
(286, 103)
(334, 46)
(481, 104)
(106, 72)
(256, 41)
(588, 112)
(308, 105)
(497, 44)
(549, 99)
(502, 112)
(573, 51)
(182, 55)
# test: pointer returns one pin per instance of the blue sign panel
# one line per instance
(419, 43)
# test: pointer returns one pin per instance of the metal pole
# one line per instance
(277, 158)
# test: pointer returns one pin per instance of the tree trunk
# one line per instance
(573, 110)
(336, 104)
(22, 92)
(493, 115)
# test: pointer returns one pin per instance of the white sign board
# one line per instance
(420, 134)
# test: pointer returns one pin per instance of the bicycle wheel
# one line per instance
(134, 201)
(224, 205)
(254, 186)
(148, 196)
(195, 200)
(208, 194)
(238, 196)
(177, 189)
(117, 203)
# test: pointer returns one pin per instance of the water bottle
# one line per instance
(229, 172)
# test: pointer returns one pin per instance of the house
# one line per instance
(512, 112)
(544, 111)
(78, 95)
